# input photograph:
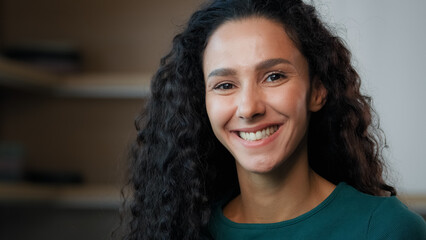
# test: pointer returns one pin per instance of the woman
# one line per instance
(256, 129)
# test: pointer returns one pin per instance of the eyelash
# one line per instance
(280, 75)
(227, 86)
(221, 86)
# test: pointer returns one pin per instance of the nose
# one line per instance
(250, 103)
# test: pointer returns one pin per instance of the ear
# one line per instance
(318, 95)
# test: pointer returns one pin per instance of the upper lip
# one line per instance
(256, 128)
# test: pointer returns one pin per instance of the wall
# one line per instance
(387, 39)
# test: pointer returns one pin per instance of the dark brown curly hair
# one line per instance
(178, 166)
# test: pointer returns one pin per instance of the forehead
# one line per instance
(240, 28)
(242, 42)
(252, 22)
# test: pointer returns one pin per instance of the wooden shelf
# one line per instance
(87, 85)
(415, 202)
(70, 196)
(20, 75)
(105, 85)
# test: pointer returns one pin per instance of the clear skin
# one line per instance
(256, 78)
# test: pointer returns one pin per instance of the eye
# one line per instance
(224, 86)
(274, 77)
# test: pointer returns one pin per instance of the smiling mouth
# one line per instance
(258, 135)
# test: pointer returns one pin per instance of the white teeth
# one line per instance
(252, 136)
(255, 136)
(258, 134)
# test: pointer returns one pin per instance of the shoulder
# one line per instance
(380, 217)
(391, 219)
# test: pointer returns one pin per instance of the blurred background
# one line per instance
(74, 74)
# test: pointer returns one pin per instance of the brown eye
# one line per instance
(274, 77)
(224, 86)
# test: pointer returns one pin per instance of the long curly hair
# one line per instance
(178, 166)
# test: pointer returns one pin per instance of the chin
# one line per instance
(258, 166)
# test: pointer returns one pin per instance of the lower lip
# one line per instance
(258, 143)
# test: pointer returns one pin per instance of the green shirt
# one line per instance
(345, 214)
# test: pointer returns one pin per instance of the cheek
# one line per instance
(292, 100)
(218, 114)
(218, 111)
(299, 104)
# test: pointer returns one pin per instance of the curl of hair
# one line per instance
(178, 166)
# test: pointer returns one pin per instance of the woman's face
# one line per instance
(258, 94)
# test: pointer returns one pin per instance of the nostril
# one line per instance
(248, 117)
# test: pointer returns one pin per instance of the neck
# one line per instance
(283, 194)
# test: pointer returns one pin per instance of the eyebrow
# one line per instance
(271, 62)
(221, 72)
